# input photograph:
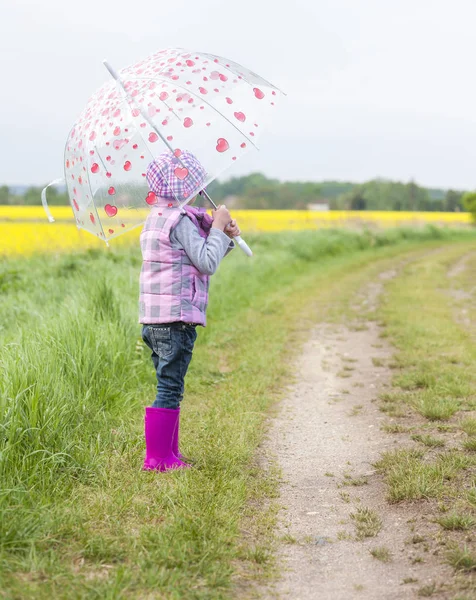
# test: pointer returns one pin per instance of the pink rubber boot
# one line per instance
(160, 428)
(176, 438)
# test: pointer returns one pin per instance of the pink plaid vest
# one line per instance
(171, 288)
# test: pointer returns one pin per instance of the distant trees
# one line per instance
(4, 194)
(32, 196)
(453, 201)
(256, 191)
(469, 202)
(259, 192)
(380, 194)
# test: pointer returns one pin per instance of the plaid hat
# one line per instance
(176, 175)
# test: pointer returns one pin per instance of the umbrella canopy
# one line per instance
(177, 101)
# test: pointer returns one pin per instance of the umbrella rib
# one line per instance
(205, 102)
(104, 166)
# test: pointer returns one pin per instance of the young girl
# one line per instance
(181, 248)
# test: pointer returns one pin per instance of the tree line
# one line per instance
(32, 196)
(256, 191)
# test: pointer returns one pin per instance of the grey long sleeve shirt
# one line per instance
(205, 254)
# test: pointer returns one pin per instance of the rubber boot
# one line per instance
(175, 439)
(175, 445)
(160, 425)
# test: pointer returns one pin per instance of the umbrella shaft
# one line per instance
(204, 193)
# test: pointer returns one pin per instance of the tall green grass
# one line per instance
(78, 518)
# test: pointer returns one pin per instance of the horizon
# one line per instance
(221, 180)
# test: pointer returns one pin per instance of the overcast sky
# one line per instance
(376, 88)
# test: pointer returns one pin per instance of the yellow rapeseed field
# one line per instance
(25, 230)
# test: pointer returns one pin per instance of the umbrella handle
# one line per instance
(43, 198)
(238, 239)
(243, 245)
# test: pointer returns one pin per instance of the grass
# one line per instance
(427, 590)
(395, 428)
(78, 518)
(392, 404)
(408, 477)
(428, 440)
(470, 445)
(435, 408)
(367, 523)
(461, 559)
(354, 481)
(381, 553)
(468, 425)
(457, 522)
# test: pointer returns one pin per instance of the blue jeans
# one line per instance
(172, 347)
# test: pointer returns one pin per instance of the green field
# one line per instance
(78, 517)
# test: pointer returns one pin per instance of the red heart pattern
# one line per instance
(110, 210)
(240, 116)
(181, 173)
(222, 145)
(151, 198)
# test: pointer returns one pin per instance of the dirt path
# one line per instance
(326, 439)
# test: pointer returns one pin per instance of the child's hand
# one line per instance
(221, 218)
(232, 230)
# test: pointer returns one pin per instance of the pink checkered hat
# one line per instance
(177, 176)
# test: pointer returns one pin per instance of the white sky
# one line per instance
(375, 87)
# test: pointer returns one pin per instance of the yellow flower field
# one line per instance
(25, 229)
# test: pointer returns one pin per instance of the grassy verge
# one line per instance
(433, 401)
(77, 516)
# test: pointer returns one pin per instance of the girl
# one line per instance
(181, 248)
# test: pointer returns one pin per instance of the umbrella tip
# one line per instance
(111, 70)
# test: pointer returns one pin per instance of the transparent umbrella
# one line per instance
(174, 101)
